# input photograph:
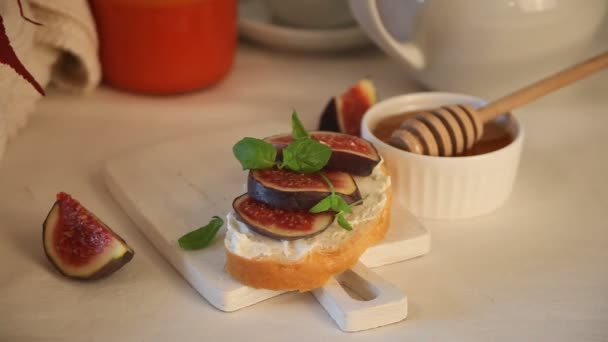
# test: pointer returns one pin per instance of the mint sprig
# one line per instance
(334, 202)
(202, 237)
(303, 154)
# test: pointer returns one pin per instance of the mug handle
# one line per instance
(367, 14)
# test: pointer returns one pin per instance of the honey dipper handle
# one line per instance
(543, 87)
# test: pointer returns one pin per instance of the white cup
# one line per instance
(486, 47)
(312, 14)
(446, 187)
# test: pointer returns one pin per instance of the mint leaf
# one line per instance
(339, 204)
(297, 128)
(202, 237)
(336, 203)
(343, 222)
(332, 202)
(254, 154)
(306, 155)
(323, 205)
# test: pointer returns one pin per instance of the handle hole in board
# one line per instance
(357, 287)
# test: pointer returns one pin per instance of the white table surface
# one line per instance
(536, 269)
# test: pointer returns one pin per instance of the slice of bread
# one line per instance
(326, 254)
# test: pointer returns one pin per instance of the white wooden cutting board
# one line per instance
(174, 187)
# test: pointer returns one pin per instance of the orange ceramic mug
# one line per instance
(165, 46)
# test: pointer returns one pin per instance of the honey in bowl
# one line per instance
(496, 134)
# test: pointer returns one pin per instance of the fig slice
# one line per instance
(344, 113)
(287, 189)
(279, 223)
(78, 244)
(350, 154)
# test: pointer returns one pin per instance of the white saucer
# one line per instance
(256, 24)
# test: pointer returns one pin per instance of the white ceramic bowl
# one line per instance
(446, 187)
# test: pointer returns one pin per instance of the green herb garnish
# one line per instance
(255, 154)
(297, 128)
(332, 202)
(306, 155)
(202, 237)
(343, 222)
(303, 154)
(336, 203)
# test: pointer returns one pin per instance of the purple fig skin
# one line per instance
(296, 200)
(328, 216)
(341, 160)
(354, 164)
(329, 117)
(105, 270)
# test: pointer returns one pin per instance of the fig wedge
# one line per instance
(78, 244)
(344, 113)
(350, 154)
(287, 189)
(278, 223)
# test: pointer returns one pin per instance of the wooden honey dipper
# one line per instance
(452, 129)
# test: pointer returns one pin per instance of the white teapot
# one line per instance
(483, 47)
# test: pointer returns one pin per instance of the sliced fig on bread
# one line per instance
(350, 154)
(287, 189)
(344, 113)
(79, 245)
(279, 223)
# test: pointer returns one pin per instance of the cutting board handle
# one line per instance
(359, 299)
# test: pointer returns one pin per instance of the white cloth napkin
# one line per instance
(63, 52)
